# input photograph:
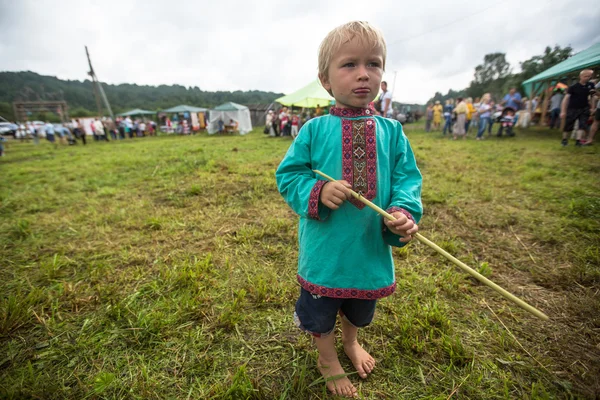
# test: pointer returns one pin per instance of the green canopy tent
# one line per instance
(568, 69)
(137, 111)
(587, 58)
(310, 96)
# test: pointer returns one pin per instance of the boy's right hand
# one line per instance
(333, 194)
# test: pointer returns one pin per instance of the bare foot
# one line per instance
(363, 362)
(341, 386)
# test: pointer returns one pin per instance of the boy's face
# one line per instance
(354, 74)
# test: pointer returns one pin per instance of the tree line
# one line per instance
(495, 75)
(30, 86)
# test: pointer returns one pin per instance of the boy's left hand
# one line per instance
(402, 226)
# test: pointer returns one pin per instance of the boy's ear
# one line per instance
(325, 82)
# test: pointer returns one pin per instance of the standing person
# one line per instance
(386, 101)
(345, 260)
(428, 117)
(143, 128)
(98, 129)
(129, 127)
(461, 119)
(276, 123)
(555, 102)
(269, 122)
(111, 127)
(437, 115)
(576, 106)
(318, 111)
(493, 108)
(512, 99)
(295, 124)
(283, 121)
(470, 113)
(93, 126)
(2, 140)
(49, 128)
(484, 112)
(524, 114)
(596, 123)
(79, 132)
(448, 116)
(475, 119)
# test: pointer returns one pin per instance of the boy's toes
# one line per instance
(362, 372)
(350, 391)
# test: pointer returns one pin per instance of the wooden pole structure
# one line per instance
(545, 104)
(458, 263)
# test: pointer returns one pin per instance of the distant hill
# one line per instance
(29, 86)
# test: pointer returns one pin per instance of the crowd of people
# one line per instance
(102, 129)
(578, 107)
(286, 122)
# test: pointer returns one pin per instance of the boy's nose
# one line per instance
(363, 73)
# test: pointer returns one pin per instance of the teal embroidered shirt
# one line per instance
(346, 253)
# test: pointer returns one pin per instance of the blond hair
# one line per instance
(343, 34)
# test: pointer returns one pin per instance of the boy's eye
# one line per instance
(348, 65)
(374, 64)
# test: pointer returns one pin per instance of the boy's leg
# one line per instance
(317, 315)
(356, 314)
(329, 366)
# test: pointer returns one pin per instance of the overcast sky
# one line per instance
(272, 45)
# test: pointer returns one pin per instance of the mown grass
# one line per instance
(165, 268)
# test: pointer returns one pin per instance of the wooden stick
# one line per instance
(448, 256)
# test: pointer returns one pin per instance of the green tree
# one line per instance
(6, 111)
(538, 64)
(494, 67)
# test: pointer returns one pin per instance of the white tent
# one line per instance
(230, 111)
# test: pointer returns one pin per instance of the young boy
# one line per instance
(345, 260)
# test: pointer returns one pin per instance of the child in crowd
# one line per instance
(345, 259)
(295, 124)
(506, 122)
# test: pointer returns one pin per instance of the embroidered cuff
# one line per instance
(391, 238)
(313, 201)
(403, 211)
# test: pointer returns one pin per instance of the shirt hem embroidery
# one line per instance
(343, 293)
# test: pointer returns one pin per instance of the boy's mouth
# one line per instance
(362, 90)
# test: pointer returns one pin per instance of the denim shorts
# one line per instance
(581, 114)
(317, 315)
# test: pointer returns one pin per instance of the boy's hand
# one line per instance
(402, 226)
(333, 194)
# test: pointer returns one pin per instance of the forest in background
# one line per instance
(30, 86)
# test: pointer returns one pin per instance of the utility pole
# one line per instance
(98, 90)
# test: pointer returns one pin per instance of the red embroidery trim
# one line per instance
(339, 293)
(313, 201)
(353, 112)
(359, 157)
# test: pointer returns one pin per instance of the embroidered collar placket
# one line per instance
(359, 151)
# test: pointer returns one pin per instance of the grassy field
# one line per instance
(165, 267)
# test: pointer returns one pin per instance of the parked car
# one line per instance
(7, 128)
